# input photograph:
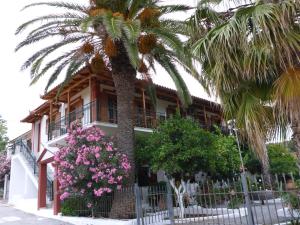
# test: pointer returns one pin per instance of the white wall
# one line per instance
(84, 94)
(162, 106)
(23, 184)
(44, 133)
(36, 136)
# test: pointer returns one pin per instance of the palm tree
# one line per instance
(249, 56)
(123, 36)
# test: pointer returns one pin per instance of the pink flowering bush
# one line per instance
(89, 165)
(4, 166)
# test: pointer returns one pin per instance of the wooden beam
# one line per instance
(68, 109)
(51, 111)
(177, 103)
(46, 161)
(144, 106)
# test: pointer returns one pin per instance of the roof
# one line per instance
(80, 81)
(27, 135)
(37, 113)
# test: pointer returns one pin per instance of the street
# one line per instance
(11, 216)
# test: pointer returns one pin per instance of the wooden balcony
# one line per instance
(92, 112)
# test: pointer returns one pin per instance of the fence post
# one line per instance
(247, 199)
(5, 191)
(138, 204)
(170, 203)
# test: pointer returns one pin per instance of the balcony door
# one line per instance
(147, 120)
(112, 109)
(76, 110)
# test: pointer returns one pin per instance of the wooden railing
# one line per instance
(91, 112)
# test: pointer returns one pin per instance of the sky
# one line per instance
(17, 97)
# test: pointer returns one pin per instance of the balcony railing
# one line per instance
(91, 112)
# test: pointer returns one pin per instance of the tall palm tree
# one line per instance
(123, 36)
(249, 55)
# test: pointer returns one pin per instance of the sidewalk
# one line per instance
(29, 206)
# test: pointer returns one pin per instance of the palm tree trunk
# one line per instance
(124, 75)
(296, 135)
(265, 164)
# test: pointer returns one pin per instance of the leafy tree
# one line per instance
(250, 58)
(282, 160)
(3, 134)
(226, 159)
(122, 36)
(181, 148)
(89, 165)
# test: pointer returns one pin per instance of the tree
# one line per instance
(89, 165)
(123, 36)
(3, 134)
(282, 160)
(181, 148)
(250, 57)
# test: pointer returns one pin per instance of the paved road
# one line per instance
(263, 215)
(11, 216)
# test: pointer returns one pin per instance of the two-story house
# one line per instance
(92, 99)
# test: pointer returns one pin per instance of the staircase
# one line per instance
(21, 147)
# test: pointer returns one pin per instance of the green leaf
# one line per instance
(132, 30)
(132, 52)
(113, 26)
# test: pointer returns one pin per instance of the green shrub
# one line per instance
(294, 222)
(235, 202)
(292, 199)
(75, 206)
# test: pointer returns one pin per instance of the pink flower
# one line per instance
(98, 192)
(87, 160)
(64, 195)
(109, 148)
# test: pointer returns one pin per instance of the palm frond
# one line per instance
(287, 93)
(169, 66)
(113, 26)
(64, 5)
(63, 60)
(73, 68)
(48, 50)
(58, 24)
(174, 8)
(134, 7)
(178, 27)
(132, 52)
(64, 16)
(132, 30)
(168, 38)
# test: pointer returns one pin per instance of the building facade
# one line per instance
(92, 99)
